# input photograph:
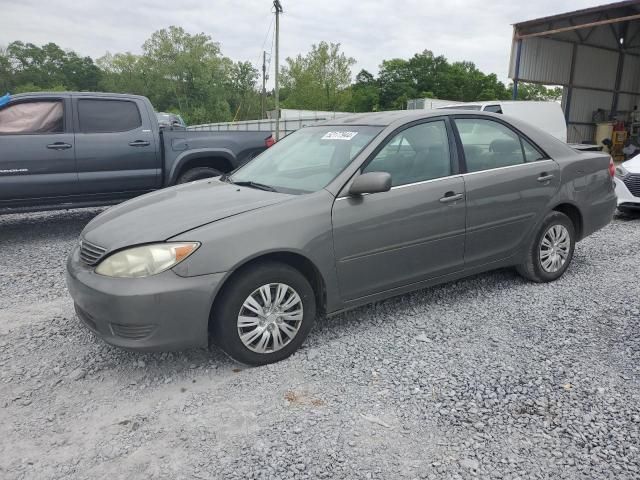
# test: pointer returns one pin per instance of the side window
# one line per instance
(493, 108)
(416, 154)
(531, 154)
(488, 144)
(102, 116)
(32, 117)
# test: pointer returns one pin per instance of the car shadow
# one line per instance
(627, 215)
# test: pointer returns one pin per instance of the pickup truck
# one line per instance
(69, 150)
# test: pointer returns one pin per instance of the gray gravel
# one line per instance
(489, 377)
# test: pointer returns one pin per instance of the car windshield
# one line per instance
(306, 160)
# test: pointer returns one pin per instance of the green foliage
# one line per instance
(187, 74)
(47, 67)
(532, 91)
(319, 80)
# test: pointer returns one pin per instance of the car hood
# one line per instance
(158, 216)
(633, 165)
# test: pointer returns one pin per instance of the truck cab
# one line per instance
(80, 149)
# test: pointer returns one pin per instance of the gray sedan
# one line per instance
(332, 217)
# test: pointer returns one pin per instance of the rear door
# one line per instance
(37, 154)
(116, 147)
(509, 182)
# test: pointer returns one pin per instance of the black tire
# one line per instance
(227, 308)
(531, 268)
(198, 173)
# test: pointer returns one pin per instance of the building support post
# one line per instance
(516, 72)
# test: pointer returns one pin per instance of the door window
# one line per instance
(488, 144)
(416, 154)
(531, 153)
(32, 117)
(102, 116)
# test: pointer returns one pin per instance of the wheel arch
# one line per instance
(574, 214)
(222, 160)
(295, 260)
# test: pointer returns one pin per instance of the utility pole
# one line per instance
(278, 7)
(264, 81)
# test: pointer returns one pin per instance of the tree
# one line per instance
(318, 80)
(50, 66)
(243, 96)
(397, 84)
(534, 91)
(6, 73)
(365, 93)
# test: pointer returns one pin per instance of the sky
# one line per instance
(369, 31)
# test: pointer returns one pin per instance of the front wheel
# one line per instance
(263, 314)
(550, 253)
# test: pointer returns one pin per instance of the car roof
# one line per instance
(384, 119)
(75, 94)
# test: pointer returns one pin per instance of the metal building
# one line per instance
(593, 53)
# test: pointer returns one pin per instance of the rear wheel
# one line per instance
(198, 173)
(264, 313)
(551, 250)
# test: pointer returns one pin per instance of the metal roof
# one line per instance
(594, 53)
(631, 4)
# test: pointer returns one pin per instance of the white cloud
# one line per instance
(370, 31)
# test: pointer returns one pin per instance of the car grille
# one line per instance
(133, 332)
(633, 184)
(90, 253)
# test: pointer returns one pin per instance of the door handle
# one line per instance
(451, 197)
(59, 146)
(545, 177)
(139, 143)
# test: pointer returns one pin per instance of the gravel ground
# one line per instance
(489, 377)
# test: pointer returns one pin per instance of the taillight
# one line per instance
(269, 141)
(612, 167)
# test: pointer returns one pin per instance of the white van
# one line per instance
(547, 116)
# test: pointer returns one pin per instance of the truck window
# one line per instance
(103, 116)
(32, 117)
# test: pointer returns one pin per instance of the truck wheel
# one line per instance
(198, 173)
(551, 250)
(263, 314)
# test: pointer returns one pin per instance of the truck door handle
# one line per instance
(451, 197)
(139, 143)
(59, 146)
(545, 177)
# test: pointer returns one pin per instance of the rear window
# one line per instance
(32, 117)
(102, 116)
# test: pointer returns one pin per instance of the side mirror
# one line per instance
(371, 182)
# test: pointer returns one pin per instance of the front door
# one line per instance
(509, 183)
(116, 146)
(37, 151)
(411, 233)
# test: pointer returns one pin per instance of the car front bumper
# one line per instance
(157, 313)
(625, 197)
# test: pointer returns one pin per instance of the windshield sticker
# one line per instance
(339, 135)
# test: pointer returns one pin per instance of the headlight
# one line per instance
(146, 260)
(621, 172)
